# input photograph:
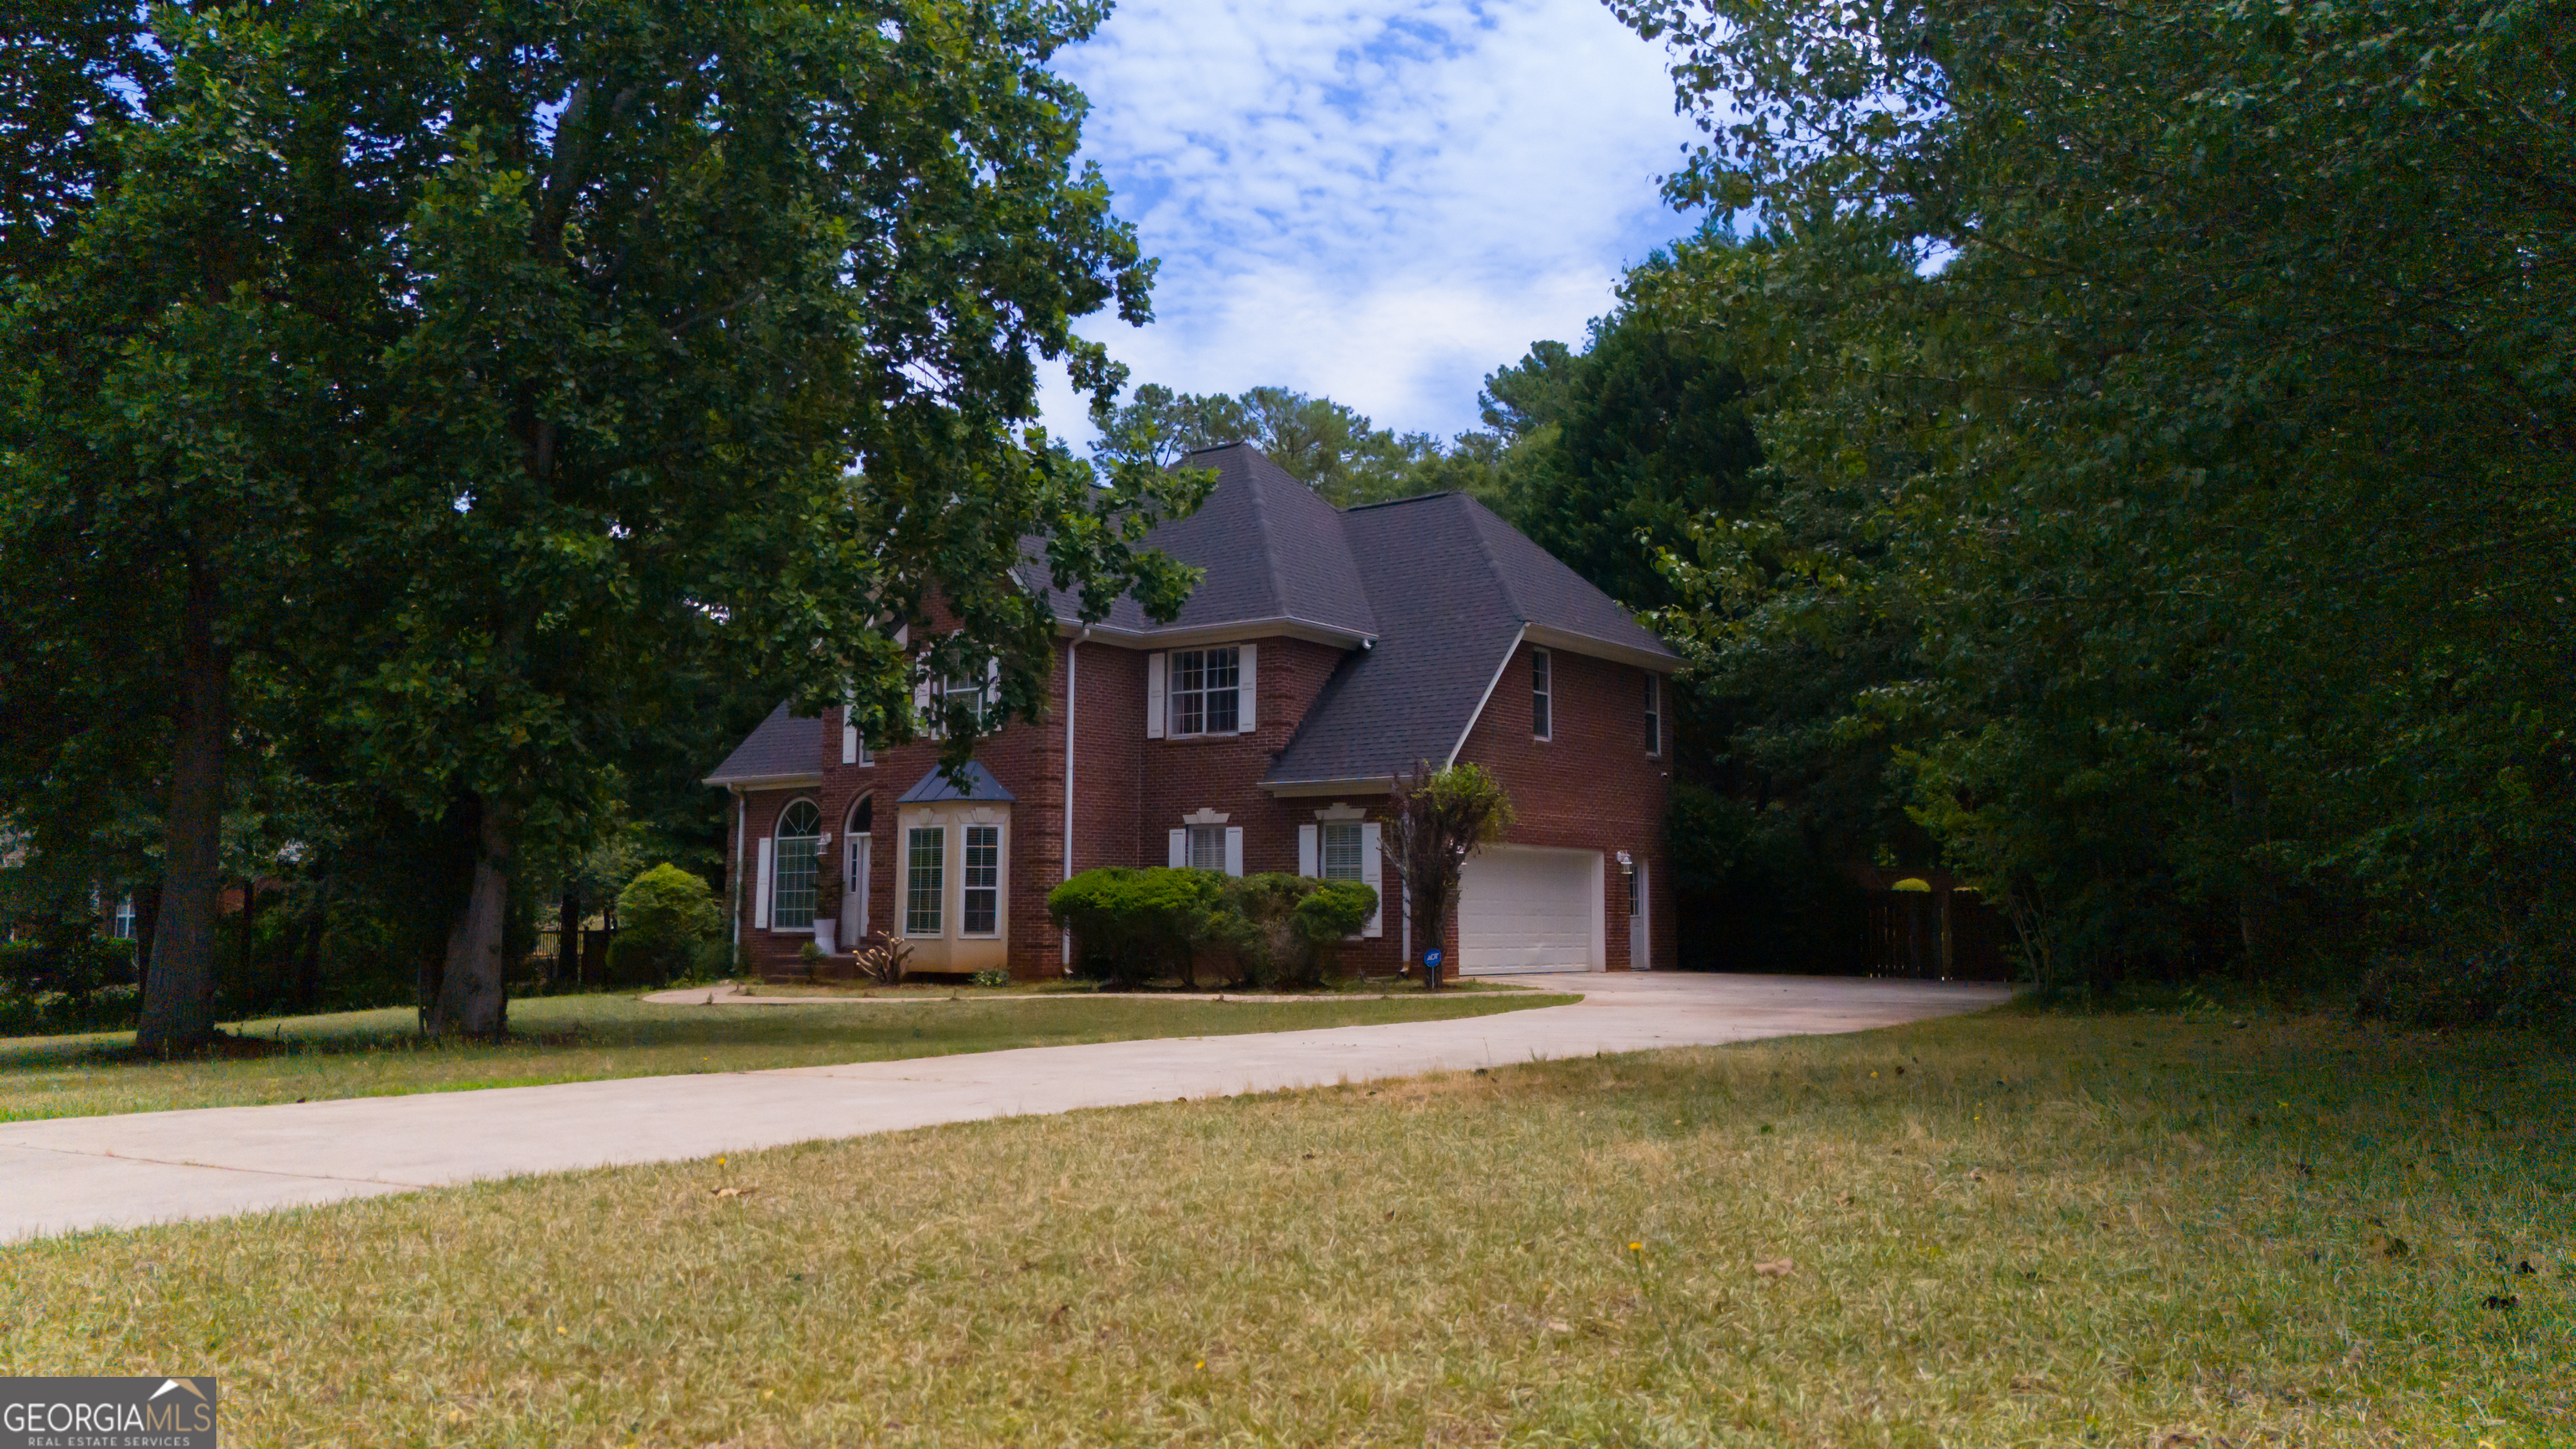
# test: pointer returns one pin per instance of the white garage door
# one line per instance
(1525, 909)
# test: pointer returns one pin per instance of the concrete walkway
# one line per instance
(89, 1172)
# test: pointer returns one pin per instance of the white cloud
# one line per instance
(1380, 203)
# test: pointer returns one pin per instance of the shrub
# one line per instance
(666, 918)
(1131, 923)
(1138, 924)
(992, 976)
(76, 983)
(885, 963)
(2508, 983)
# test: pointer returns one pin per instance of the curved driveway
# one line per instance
(122, 1171)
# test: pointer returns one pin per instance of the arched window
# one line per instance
(800, 828)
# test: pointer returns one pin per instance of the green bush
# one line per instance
(667, 921)
(76, 983)
(992, 976)
(1140, 924)
(2510, 984)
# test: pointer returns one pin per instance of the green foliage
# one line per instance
(2166, 412)
(992, 976)
(1133, 924)
(1436, 819)
(667, 921)
(1331, 448)
(71, 981)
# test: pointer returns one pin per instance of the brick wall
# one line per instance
(1590, 785)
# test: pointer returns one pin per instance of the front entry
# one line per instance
(1521, 908)
(857, 855)
(1641, 956)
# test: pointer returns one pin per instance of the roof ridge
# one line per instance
(1408, 498)
(1493, 565)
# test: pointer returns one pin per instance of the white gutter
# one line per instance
(1487, 696)
(741, 810)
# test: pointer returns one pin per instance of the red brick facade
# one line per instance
(1592, 786)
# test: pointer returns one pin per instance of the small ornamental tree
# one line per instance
(665, 919)
(1438, 818)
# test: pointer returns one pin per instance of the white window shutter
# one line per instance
(923, 720)
(1180, 849)
(1234, 850)
(849, 740)
(760, 888)
(1372, 875)
(1154, 699)
(1306, 863)
(1246, 691)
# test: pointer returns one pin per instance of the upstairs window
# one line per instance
(1342, 846)
(1541, 682)
(1654, 715)
(121, 925)
(1206, 696)
(800, 831)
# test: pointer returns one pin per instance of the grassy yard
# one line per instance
(2003, 1230)
(585, 1038)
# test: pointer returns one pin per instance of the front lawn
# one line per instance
(585, 1038)
(2004, 1230)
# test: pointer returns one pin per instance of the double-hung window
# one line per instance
(1342, 847)
(981, 905)
(122, 925)
(925, 878)
(1206, 693)
(1654, 715)
(800, 829)
(1542, 702)
(1207, 847)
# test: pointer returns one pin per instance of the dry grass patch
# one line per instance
(1987, 1231)
(588, 1038)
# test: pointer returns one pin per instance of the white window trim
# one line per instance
(1001, 878)
(770, 862)
(1162, 698)
(903, 903)
(1543, 662)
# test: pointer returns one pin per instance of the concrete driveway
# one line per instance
(90, 1172)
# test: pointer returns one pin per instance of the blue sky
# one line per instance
(1380, 202)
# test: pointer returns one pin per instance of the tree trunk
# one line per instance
(179, 990)
(568, 941)
(308, 961)
(147, 924)
(249, 928)
(471, 1001)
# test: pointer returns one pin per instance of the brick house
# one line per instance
(1324, 651)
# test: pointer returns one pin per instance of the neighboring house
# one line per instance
(1324, 651)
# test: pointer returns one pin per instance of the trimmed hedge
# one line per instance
(82, 983)
(1138, 924)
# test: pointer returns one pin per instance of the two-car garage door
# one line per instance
(1521, 908)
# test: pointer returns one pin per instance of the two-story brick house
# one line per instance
(1324, 651)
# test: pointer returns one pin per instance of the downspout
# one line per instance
(741, 809)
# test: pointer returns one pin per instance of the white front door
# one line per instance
(1522, 908)
(1641, 956)
(854, 889)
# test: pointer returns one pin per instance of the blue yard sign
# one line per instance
(1431, 958)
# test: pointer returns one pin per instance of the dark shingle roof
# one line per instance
(1456, 587)
(936, 786)
(1439, 586)
(783, 745)
(1272, 549)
